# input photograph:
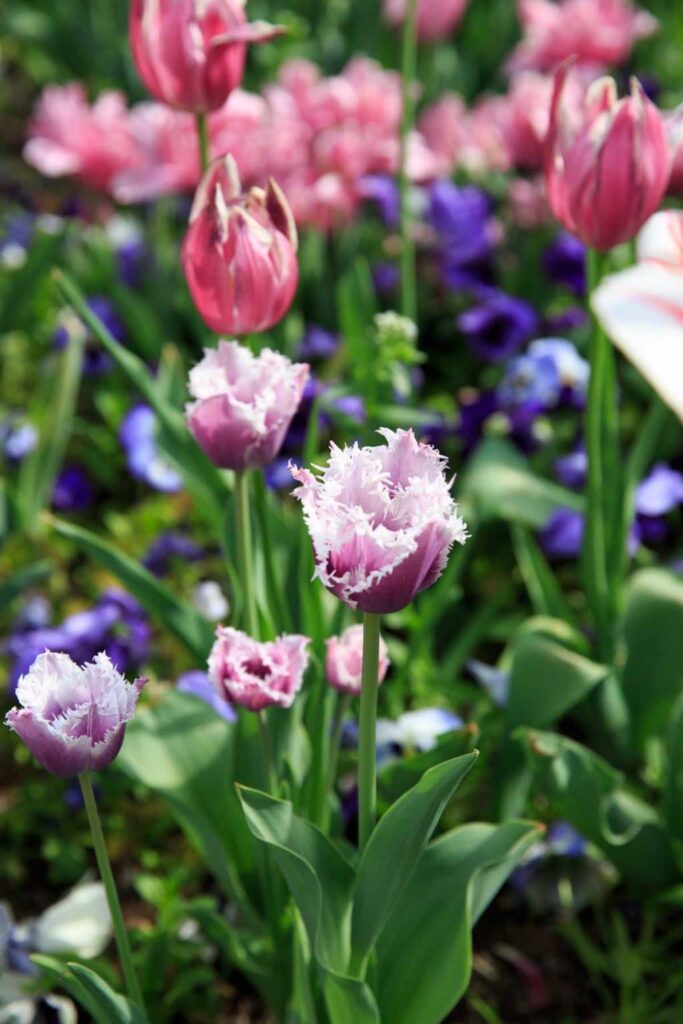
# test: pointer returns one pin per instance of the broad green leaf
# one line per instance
(92, 992)
(540, 580)
(589, 793)
(40, 469)
(653, 634)
(397, 776)
(184, 751)
(673, 785)
(395, 848)
(317, 875)
(349, 1001)
(546, 680)
(170, 611)
(425, 950)
(201, 476)
(500, 484)
(17, 582)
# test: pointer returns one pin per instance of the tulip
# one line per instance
(256, 675)
(243, 404)
(344, 661)
(73, 718)
(607, 173)
(190, 53)
(239, 253)
(382, 521)
(674, 124)
(641, 309)
(436, 19)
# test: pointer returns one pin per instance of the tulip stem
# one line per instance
(203, 139)
(605, 527)
(245, 553)
(367, 755)
(408, 76)
(104, 865)
(267, 752)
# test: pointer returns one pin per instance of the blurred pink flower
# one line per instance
(66, 136)
(436, 19)
(444, 127)
(674, 126)
(598, 33)
(166, 156)
(239, 252)
(344, 661)
(527, 203)
(382, 521)
(256, 675)
(190, 53)
(641, 308)
(243, 404)
(73, 718)
(607, 168)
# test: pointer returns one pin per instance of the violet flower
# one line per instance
(199, 685)
(145, 461)
(73, 718)
(382, 521)
(564, 262)
(73, 490)
(256, 675)
(562, 535)
(497, 327)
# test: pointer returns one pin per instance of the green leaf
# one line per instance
(653, 633)
(92, 993)
(673, 780)
(541, 583)
(17, 582)
(200, 475)
(317, 875)
(589, 793)
(39, 470)
(395, 848)
(397, 776)
(349, 1001)
(500, 484)
(170, 611)
(184, 751)
(425, 950)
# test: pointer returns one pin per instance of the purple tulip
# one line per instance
(243, 404)
(382, 521)
(256, 675)
(73, 718)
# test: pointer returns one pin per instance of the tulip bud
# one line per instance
(606, 169)
(239, 253)
(190, 53)
(382, 521)
(244, 404)
(73, 718)
(256, 675)
(435, 19)
(344, 661)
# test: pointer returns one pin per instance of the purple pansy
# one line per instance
(562, 535)
(498, 325)
(137, 434)
(564, 262)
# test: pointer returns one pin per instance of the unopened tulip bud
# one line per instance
(344, 661)
(239, 253)
(256, 675)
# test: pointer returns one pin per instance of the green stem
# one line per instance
(267, 752)
(367, 757)
(203, 138)
(120, 933)
(605, 532)
(408, 76)
(245, 553)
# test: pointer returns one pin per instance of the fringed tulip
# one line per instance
(597, 33)
(641, 308)
(344, 661)
(382, 521)
(256, 675)
(606, 173)
(436, 19)
(239, 253)
(191, 53)
(73, 718)
(243, 404)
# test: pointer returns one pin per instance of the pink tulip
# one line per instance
(191, 53)
(641, 308)
(674, 125)
(344, 661)
(436, 19)
(256, 675)
(527, 203)
(239, 253)
(243, 404)
(68, 137)
(443, 126)
(597, 33)
(73, 718)
(607, 171)
(166, 159)
(382, 521)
